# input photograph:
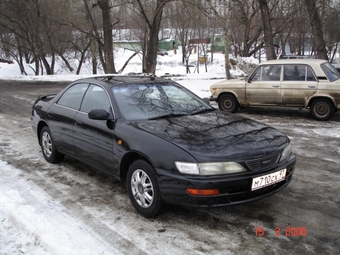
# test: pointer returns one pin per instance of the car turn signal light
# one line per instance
(203, 192)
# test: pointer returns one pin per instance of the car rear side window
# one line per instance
(298, 73)
(73, 96)
(330, 71)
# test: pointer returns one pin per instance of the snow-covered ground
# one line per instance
(199, 79)
(32, 221)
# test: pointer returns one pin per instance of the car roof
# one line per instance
(295, 61)
(123, 79)
(314, 63)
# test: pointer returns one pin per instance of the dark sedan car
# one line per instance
(167, 144)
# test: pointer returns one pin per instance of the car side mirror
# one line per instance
(99, 114)
(206, 100)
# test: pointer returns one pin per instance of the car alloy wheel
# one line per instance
(49, 151)
(46, 144)
(143, 188)
(322, 109)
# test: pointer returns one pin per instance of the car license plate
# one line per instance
(268, 179)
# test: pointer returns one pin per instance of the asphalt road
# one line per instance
(304, 218)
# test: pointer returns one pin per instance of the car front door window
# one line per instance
(95, 98)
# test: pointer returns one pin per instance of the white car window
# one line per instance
(267, 73)
(298, 73)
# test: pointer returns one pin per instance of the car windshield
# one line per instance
(330, 71)
(157, 100)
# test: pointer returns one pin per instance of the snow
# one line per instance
(31, 221)
(35, 220)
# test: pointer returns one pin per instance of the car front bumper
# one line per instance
(233, 189)
(213, 99)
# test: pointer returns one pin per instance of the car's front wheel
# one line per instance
(143, 188)
(48, 149)
(228, 103)
(322, 109)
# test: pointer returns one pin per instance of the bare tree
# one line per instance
(183, 22)
(224, 23)
(316, 24)
(246, 29)
(39, 32)
(267, 30)
(151, 12)
(109, 66)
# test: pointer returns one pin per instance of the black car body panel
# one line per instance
(217, 136)
(112, 145)
(234, 189)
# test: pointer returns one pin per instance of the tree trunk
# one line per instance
(226, 52)
(153, 23)
(314, 17)
(152, 46)
(225, 22)
(267, 28)
(109, 67)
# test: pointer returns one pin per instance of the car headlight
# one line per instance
(286, 152)
(209, 168)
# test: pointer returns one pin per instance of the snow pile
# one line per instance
(170, 64)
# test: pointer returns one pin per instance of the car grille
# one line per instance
(263, 163)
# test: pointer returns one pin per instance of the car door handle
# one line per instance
(311, 87)
(275, 86)
(78, 124)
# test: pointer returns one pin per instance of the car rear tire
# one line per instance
(143, 189)
(48, 149)
(322, 109)
(228, 103)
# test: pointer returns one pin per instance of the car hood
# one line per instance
(217, 136)
(230, 82)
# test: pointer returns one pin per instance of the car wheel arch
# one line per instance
(312, 99)
(127, 160)
(233, 102)
(226, 93)
(40, 126)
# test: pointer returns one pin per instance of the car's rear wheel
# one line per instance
(228, 103)
(48, 149)
(322, 109)
(143, 188)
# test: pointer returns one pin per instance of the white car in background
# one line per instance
(299, 83)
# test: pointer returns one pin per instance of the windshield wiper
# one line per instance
(168, 115)
(203, 111)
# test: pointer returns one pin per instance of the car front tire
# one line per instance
(143, 189)
(228, 103)
(322, 109)
(48, 149)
